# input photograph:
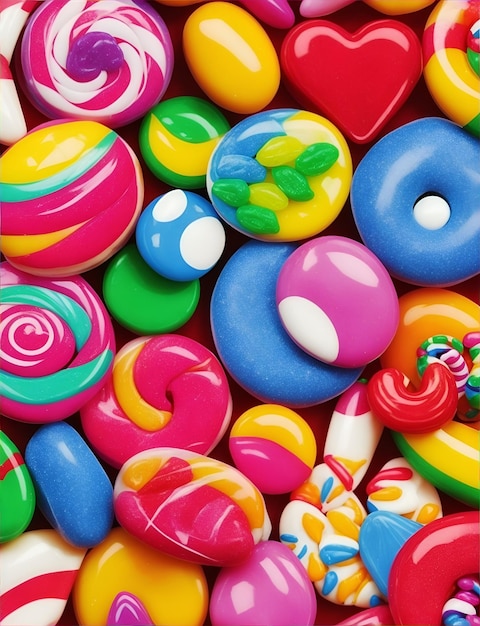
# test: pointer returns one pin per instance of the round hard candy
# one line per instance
(414, 203)
(57, 345)
(177, 138)
(251, 342)
(123, 581)
(103, 60)
(17, 493)
(320, 284)
(280, 592)
(167, 390)
(274, 447)
(74, 492)
(71, 195)
(280, 175)
(144, 302)
(166, 493)
(180, 236)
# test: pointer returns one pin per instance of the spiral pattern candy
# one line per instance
(56, 345)
(71, 195)
(104, 60)
(166, 390)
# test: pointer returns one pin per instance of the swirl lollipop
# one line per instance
(108, 60)
(56, 345)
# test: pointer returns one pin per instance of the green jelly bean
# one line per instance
(257, 219)
(293, 184)
(316, 159)
(232, 191)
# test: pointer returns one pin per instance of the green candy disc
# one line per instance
(143, 301)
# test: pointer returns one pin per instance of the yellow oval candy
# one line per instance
(231, 57)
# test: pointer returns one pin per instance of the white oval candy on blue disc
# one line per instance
(180, 236)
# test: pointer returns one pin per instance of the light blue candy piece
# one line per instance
(73, 490)
(382, 534)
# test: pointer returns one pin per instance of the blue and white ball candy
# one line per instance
(180, 236)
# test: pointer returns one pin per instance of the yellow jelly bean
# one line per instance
(269, 196)
(280, 151)
(231, 57)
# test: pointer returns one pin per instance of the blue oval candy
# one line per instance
(73, 490)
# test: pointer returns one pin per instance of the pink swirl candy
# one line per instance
(56, 345)
(108, 61)
(167, 390)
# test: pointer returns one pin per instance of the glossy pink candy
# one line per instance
(271, 587)
(337, 301)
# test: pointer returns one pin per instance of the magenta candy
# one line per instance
(271, 587)
(57, 345)
(190, 506)
(337, 301)
(128, 610)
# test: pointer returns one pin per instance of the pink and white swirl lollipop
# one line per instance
(103, 60)
(56, 345)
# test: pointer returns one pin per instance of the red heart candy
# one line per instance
(358, 81)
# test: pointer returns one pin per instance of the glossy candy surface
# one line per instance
(275, 589)
(38, 572)
(251, 341)
(280, 175)
(57, 345)
(315, 288)
(408, 410)
(451, 67)
(409, 203)
(180, 236)
(231, 57)
(143, 301)
(167, 390)
(190, 506)
(399, 489)
(74, 492)
(274, 447)
(124, 579)
(425, 312)
(13, 16)
(428, 565)
(317, 8)
(17, 493)
(106, 60)
(177, 138)
(71, 194)
(355, 67)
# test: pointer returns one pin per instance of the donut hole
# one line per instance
(431, 211)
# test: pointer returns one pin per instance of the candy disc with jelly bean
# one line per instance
(105, 60)
(280, 175)
(57, 345)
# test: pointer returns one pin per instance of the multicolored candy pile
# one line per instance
(240, 317)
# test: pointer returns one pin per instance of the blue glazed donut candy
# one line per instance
(251, 341)
(180, 236)
(414, 199)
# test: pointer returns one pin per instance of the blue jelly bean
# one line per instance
(73, 490)
(329, 582)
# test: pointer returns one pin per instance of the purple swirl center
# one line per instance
(91, 54)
